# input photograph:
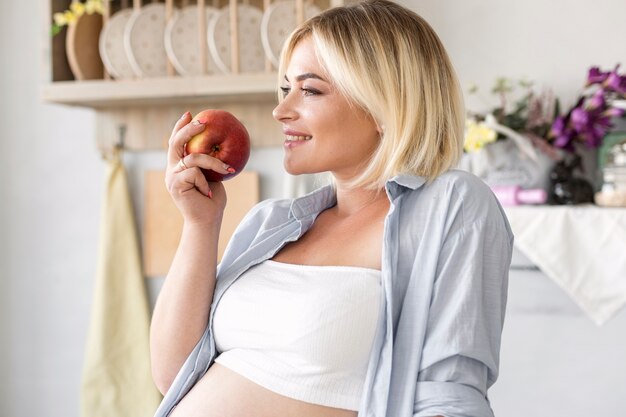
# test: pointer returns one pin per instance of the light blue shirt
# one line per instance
(446, 253)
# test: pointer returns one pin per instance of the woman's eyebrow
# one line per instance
(305, 76)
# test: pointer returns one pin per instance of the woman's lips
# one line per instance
(296, 136)
(293, 138)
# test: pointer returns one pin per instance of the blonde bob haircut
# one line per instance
(388, 60)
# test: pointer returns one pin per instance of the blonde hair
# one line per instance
(388, 60)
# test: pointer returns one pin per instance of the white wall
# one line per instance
(550, 42)
(51, 174)
(51, 185)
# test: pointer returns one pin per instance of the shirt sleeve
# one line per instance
(460, 357)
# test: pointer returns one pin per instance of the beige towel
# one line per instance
(581, 248)
(117, 380)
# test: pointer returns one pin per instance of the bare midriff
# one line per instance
(224, 393)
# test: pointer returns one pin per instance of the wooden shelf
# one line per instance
(104, 94)
(141, 112)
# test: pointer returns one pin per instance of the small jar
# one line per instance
(613, 192)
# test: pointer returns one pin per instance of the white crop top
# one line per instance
(304, 332)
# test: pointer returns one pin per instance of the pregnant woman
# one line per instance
(380, 294)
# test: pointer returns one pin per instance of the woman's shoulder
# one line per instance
(459, 197)
(463, 185)
(453, 186)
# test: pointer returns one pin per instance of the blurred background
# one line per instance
(557, 359)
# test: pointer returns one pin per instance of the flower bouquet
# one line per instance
(590, 119)
(522, 142)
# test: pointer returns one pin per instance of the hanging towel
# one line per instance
(117, 380)
(581, 248)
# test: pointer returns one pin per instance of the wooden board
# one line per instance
(163, 223)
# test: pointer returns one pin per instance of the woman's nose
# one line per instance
(284, 110)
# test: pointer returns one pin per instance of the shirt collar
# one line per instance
(325, 197)
(313, 203)
(401, 183)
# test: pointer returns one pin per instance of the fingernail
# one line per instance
(200, 121)
(230, 169)
(184, 115)
(210, 194)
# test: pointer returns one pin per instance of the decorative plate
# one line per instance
(111, 46)
(81, 46)
(143, 41)
(182, 44)
(251, 57)
(279, 20)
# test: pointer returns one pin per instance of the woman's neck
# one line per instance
(355, 201)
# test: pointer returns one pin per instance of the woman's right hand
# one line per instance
(199, 201)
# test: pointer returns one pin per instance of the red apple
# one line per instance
(224, 138)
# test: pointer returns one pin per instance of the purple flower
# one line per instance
(615, 82)
(588, 121)
(614, 112)
(593, 136)
(558, 126)
(595, 76)
(562, 133)
(612, 81)
(580, 118)
(597, 101)
(565, 141)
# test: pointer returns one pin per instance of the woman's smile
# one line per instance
(294, 136)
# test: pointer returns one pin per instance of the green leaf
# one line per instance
(55, 29)
(502, 85)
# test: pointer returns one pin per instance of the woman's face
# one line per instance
(323, 130)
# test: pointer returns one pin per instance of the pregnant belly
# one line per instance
(224, 393)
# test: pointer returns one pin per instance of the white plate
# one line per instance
(143, 41)
(182, 43)
(251, 57)
(279, 20)
(111, 46)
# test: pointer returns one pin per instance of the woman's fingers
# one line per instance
(187, 173)
(201, 160)
(180, 123)
(191, 179)
(182, 133)
(184, 119)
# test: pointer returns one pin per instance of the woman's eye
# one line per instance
(285, 91)
(309, 91)
(305, 91)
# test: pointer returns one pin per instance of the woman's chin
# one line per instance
(293, 170)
